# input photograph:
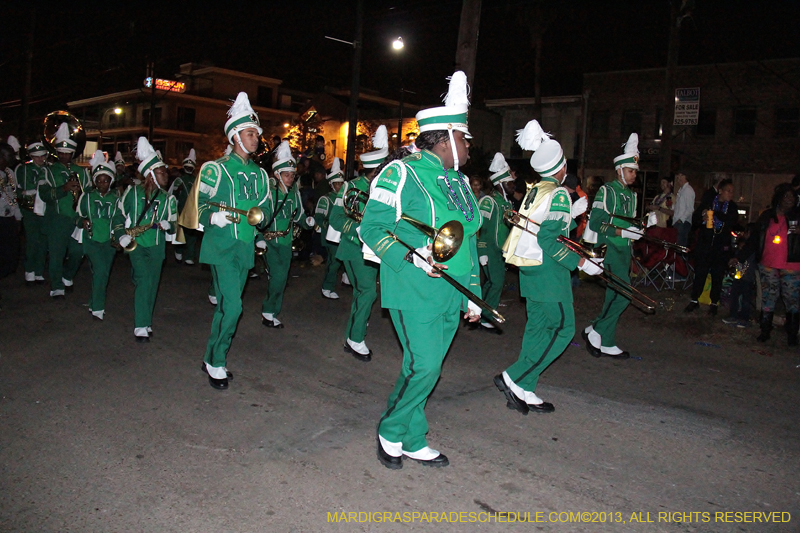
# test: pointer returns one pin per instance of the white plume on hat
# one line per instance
(531, 136)
(13, 143)
(630, 154)
(335, 173)
(97, 158)
(241, 106)
(62, 134)
(381, 138)
(144, 150)
(228, 150)
(100, 166)
(632, 146)
(192, 157)
(498, 163)
(118, 158)
(457, 93)
(284, 151)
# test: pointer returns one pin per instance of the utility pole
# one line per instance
(22, 131)
(468, 38)
(152, 74)
(665, 160)
(354, 88)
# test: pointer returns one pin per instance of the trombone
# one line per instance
(675, 247)
(637, 297)
(254, 215)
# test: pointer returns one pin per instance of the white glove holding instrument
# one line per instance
(125, 240)
(165, 225)
(631, 233)
(590, 267)
(310, 221)
(579, 206)
(483, 260)
(261, 245)
(419, 262)
(220, 219)
(473, 308)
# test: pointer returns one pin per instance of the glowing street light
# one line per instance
(286, 125)
(117, 110)
(397, 44)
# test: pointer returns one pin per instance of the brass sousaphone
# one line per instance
(76, 132)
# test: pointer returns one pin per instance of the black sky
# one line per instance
(98, 48)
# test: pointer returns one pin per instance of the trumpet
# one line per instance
(639, 299)
(138, 231)
(254, 215)
(675, 247)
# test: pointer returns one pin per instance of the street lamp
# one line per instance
(117, 110)
(397, 44)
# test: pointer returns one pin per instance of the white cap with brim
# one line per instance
(630, 157)
(191, 159)
(148, 157)
(502, 172)
(36, 148)
(100, 166)
(375, 158)
(242, 117)
(548, 157)
(284, 162)
(63, 142)
(452, 115)
(335, 173)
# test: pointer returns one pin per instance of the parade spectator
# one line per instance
(743, 277)
(663, 203)
(683, 208)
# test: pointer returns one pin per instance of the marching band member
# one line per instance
(180, 189)
(96, 209)
(493, 234)
(614, 198)
(227, 246)
(544, 265)
(29, 175)
(361, 273)
(60, 191)
(10, 214)
(322, 214)
(286, 210)
(146, 214)
(425, 311)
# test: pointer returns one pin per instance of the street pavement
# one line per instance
(101, 434)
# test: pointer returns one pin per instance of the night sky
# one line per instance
(91, 51)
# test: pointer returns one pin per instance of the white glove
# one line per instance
(483, 260)
(165, 225)
(422, 263)
(310, 222)
(631, 233)
(261, 245)
(473, 308)
(125, 240)
(590, 268)
(652, 219)
(220, 219)
(579, 206)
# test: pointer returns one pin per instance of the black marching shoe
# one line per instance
(691, 307)
(712, 309)
(544, 407)
(228, 373)
(512, 402)
(142, 339)
(766, 326)
(594, 352)
(366, 357)
(271, 323)
(389, 461)
(437, 462)
(219, 384)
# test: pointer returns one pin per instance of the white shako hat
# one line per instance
(101, 166)
(630, 156)
(501, 170)
(548, 157)
(149, 158)
(13, 143)
(118, 160)
(283, 159)
(63, 142)
(452, 115)
(191, 159)
(242, 117)
(36, 148)
(336, 173)
(380, 141)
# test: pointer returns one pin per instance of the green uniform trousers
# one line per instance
(279, 258)
(548, 332)
(228, 279)
(188, 251)
(618, 261)
(146, 274)
(65, 252)
(495, 277)
(425, 338)
(35, 242)
(101, 257)
(332, 266)
(363, 275)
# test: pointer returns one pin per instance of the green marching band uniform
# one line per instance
(493, 234)
(180, 189)
(425, 311)
(544, 271)
(59, 214)
(322, 214)
(158, 213)
(29, 176)
(285, 210)
(96, 211)
(362, 273)
(613, 198)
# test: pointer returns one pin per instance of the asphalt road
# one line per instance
(98, 433)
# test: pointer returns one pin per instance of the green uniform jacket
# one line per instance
(234, 182)
(284, 213)
(350, 245)
(550, 281)
(416, 187)
(99, 210)
(322, 213)
(494, 230)
(29, 175)
(612, 198)
(129, 210)
(58, 201)
(180, 189)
